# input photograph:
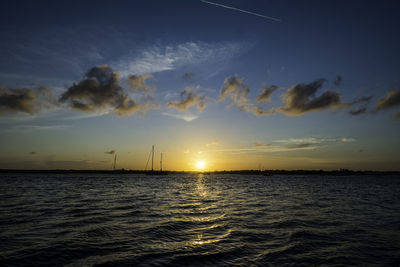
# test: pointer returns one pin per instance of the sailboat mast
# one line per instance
(152, 158)
(161, 163)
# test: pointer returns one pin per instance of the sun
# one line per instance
(200, 165)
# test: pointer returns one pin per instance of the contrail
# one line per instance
(241, 10)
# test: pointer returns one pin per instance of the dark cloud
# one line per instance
(188, 98)
(301, 145)
(392, 99)
(111, 152)
(301, 99)
(32, 153)
(17, 100)
(100, 89)
(362, 103)
(338, 80)
(26, 100)
(237, 91)
(189, 77)
(266, 94)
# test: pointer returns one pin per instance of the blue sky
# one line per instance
(225, 59)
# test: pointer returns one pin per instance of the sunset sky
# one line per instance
(232, 84)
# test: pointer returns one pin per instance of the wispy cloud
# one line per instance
(347, 140)
(111, 152)
(313, 140)
(182, 116)
(159, 58)
(25, 128)
(213, 143)
(89, 115)
(258, 144)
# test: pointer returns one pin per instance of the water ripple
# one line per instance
(200, 220)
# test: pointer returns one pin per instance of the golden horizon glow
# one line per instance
(200, 165)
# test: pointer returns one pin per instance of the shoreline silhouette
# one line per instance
(341, 172)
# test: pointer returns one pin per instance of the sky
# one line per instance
(213, 85)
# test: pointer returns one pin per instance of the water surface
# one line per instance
(199, 220)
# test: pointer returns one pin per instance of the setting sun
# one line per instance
(200, 165)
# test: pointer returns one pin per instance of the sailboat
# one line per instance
(153, 172)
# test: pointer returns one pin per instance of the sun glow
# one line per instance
(200, 165)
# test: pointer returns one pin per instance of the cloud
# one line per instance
(301, 99)
(301, 145)
(257, 144)
(306, 142)
(17, 100)
(32, 153)
(358, 111)
(137, 83)
(188, 98)
(391, 100)
(26, 128)
(26, 100)
(111, 152)
(237, 91)
(347, 140)
(189, 77)
(285, 145)
(212, 143)
(100, 90)
(185, 116)
(302, 140)
(363, 103)
(158, 58)
(88, 115)
(338, 80)
(266, 94)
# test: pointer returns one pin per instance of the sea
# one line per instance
(199, 220)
